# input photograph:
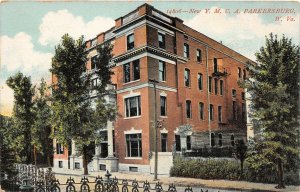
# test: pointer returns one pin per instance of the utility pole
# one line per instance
(156, 128)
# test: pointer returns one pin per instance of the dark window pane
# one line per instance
(221, 87)
(220, 113)
(126, 72)
(164, 137)
(186, 51)
(215, 65)
(212, 139)
(201, 106)
(162, 71)
(216, 86)
(210, 84)
(199, 55)
(177, 142)
(161, 41)
(211, 112)
(187, 79)
(188, 143)
(188, 109)
(163, 106)
(136, 69)
(200, 81)
(220, 139)
(133, 106)
(94, 62)
(130, 41)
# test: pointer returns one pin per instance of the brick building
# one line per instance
(197, 94)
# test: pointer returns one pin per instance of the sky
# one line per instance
(29, 30)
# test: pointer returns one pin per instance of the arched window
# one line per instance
(212, 139)
(220, 139)
(232, 140)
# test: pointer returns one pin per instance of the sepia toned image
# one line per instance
(149, 96)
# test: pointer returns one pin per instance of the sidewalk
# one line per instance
(179, 181)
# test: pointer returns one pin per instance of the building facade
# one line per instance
(197, 97)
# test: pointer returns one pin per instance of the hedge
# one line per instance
(229, 169)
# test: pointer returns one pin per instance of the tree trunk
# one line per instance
(242, 169)
(84, 161)
(280, 175)
(34, 155)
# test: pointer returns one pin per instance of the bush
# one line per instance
(206, 168)
(226, 169)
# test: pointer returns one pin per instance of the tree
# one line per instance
(241, 153)
(22, 117)
(274, 110)
(41, 128)
(76, 116)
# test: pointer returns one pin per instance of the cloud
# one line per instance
(55, 24)
(18, 53)
(242, 32)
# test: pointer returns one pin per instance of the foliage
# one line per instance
(41, 128)
(217, 168)
(22, 116)
(274, 109)
(241, 153)
(7, 154)
(76, 116)
(211, 152)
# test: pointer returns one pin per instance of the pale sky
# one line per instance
(30, 30)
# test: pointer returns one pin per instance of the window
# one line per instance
(200, 81)
(163, 106)
(216, 86)
(161, 41)
(187, 79)
(188, 109)
(220, 114)
(186, 51)
(126, 72)
(215, 65)
(244, 74)
(164, 141)
(212, 139)
(232, 140)
(77, 165)
(210, 84)
(199, 55)
(134, 145)
(130, 41)
(234, 116)
(133, 106)
(211, 112)
(239, 72)
(133, 169)
(233, 93)
(244, 111)
(94, 62)
(243, 96)
(220, 140)
(60, 164)
(162, 71)
(136, 70)
(59, 148)
(102, 167)
(177, 143)
(188, 143)
(201, 110)
(221, 87)
(104, 148)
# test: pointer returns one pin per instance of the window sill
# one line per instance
(137, 158)
(131, 82)
(164, 117)
(132, 117)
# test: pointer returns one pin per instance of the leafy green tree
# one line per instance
(241, 154)
(76, 116)
(274, 89)
(7, 154)
(22, 117)
(41, 128)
